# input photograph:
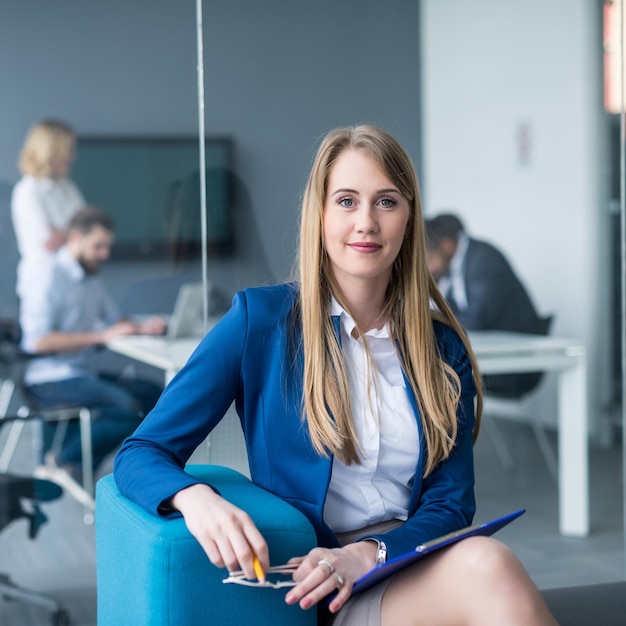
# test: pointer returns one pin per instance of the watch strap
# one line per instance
(381, 550)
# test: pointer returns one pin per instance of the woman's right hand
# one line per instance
(226, 533)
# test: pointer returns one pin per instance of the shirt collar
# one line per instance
(459, 254)
(46, 183)
(66, 259)
(348, 325)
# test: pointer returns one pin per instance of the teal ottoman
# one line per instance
(151, 571)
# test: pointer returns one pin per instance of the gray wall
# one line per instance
(278, 75)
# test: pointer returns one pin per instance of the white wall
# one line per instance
(489, 69)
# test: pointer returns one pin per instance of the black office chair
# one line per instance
(515, 388)
(15, 491)
(12, 363)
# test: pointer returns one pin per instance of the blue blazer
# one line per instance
(254, 357)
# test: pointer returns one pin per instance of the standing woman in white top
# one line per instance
(44, 200)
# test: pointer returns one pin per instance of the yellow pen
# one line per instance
(258, 570)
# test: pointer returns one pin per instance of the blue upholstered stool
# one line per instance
(151, 571)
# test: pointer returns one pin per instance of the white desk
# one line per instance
(166, 354)
(497, 353)
(512, 353)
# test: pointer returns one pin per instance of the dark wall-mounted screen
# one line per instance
(151, 187)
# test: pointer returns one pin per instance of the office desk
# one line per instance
(166, 354)
(497, 353)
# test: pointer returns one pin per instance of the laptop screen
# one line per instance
(186, 319)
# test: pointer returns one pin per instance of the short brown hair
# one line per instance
(87, 218)
(443, 226)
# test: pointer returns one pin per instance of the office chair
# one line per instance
(14, 490)
(12, 362)
(501, 391)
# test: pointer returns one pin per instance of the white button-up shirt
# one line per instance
(453, 285)
(37, 206)
(379, 488)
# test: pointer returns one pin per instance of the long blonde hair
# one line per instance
(45, 141)
(407, 307)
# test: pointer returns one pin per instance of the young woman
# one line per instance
(357, 402)
(44, 200)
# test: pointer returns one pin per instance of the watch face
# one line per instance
(381, 554)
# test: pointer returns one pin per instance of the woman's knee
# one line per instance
(484, 558)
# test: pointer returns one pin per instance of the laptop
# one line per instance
(186, 318)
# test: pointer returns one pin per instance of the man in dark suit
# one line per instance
(482, 289)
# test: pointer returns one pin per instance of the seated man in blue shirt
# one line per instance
(65, 316)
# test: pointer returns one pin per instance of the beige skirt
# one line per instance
(364, 608)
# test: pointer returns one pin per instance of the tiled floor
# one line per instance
(61, 561)
(552, 560)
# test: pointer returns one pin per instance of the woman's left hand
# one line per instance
(325, 570)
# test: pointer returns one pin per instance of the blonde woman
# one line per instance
(44, 200)
(385, 387)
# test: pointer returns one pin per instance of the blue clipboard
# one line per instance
(380, 572)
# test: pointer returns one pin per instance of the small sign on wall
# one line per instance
(523, 143)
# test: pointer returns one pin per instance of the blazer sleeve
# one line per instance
(488, 282)
(149, 467)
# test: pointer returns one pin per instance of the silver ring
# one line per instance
(339, 580)
(327, 564)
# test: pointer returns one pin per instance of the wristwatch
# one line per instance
(381, 550)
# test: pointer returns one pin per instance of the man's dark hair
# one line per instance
(87, 218)
(443, 226)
